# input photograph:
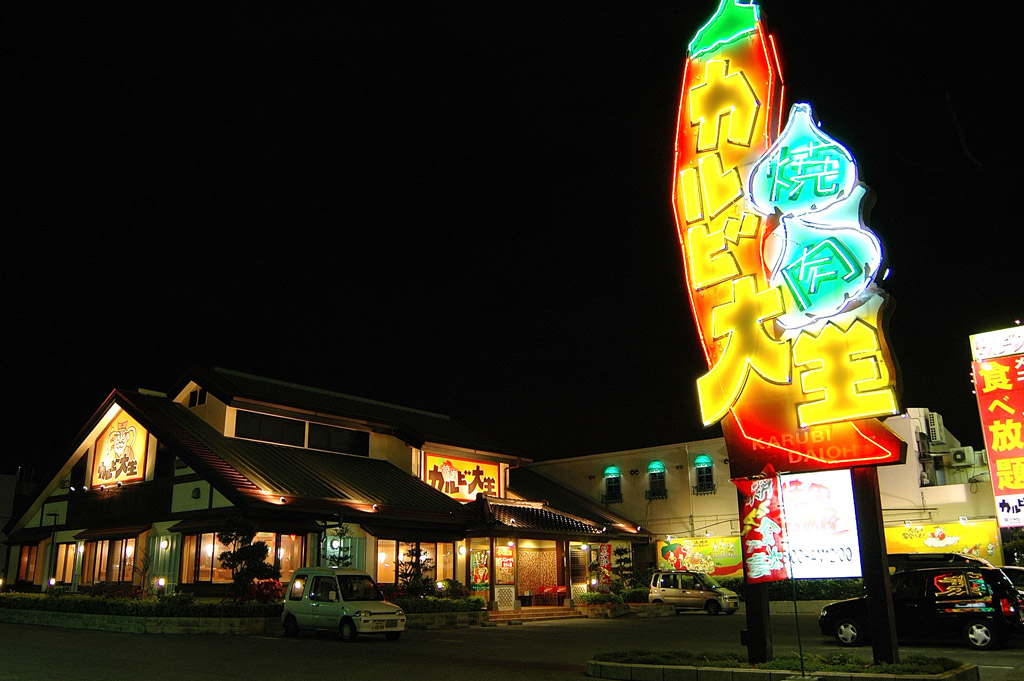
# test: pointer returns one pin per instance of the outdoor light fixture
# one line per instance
(335, 543)
(53, 581)
(164, 543)
(462, 550)
(161, 582)
(963, 520)
(375, 507)
(283, 500)
(584, 547)
(511, 542)
(120, 484)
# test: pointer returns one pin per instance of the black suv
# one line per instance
(979, 604)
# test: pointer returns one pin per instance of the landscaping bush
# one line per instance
(597, 598)
(179, 605)
(635, 595)
(806, 589)
(420, 604)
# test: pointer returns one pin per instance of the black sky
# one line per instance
(459, 206)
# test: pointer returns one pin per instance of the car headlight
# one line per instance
(399, 612)
(362, 613)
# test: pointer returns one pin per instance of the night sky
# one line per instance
(457, 206)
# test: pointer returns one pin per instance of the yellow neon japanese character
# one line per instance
(1006, 435)
(747, 347)
(995, 377)
(1010, 473)
(843, 374)
(723, 96)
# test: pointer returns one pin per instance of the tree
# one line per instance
(247, 560)
(333, 551)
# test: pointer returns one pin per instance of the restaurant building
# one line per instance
(327, 478)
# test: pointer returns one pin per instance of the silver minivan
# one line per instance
(339, 599)
(692, 591)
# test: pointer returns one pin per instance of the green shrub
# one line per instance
(597, 598)
(806, 589)
(168, 606)
(423, 604)
(635, 595)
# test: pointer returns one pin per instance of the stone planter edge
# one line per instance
(657, 672)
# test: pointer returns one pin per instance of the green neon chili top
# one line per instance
(732, 20)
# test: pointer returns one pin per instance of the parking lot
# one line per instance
(543, 650)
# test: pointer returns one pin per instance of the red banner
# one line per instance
(999, 384)
(762, 533)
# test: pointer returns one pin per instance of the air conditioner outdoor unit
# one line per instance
(936, 431)
(962, 456)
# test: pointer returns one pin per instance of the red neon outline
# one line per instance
(845, 463)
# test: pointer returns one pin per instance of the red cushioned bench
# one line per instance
(550, 595)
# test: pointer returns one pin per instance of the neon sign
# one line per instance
(779, 264)
(461, 479)
(120, 452)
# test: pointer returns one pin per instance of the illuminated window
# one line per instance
(404, 560)
(109, 560)
(612, 485)
(704, 470)
(200, 556)
(65, 567)
(656, 481)
(27, 563)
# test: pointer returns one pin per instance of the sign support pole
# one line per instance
(758, 635)
(874, 564)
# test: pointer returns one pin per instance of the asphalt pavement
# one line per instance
(540, 650)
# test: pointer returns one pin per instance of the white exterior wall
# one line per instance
(682, 513)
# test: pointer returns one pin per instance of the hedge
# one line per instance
(433, 604)
(806, 589)
(170, 606)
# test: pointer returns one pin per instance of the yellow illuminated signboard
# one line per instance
(120, 452)
(780, 265)
(461, 479)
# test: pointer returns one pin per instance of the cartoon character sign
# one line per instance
(120, 452)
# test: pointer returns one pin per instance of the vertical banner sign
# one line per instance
(505, 565)
(780, 266)
(762, 530)
(604, 561)
(998, 368)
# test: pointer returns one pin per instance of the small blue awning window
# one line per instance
(703, 461)
(612, 472)
(655, 467)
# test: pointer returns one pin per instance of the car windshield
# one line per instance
(359, 588)
(710, 581)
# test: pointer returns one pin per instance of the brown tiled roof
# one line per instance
(265, 472)
(536, 516)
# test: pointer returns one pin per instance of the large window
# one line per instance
(656, 481)
(65, 568)
(254, 426)
(341, 440)
(109, 561)
(200, 556)
(27, 563)
(401, 560)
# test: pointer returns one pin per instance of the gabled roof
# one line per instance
(247, 471)
(414, 426)
(529, 484)
(532, 515)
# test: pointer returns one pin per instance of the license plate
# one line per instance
(378, 624)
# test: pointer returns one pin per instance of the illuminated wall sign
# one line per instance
(120, 453)
(779, 265)
(821, 525)
(719, 556)
(461, 479)
(998, 368)
(978, 538)
(762, 530)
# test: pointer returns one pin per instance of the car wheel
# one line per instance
(712, 607)
(979, 635)
(848, 633)
(291, 627)
(393, 635)
(347, 630)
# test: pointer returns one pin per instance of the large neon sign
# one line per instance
(780, 265)
(120, 452)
